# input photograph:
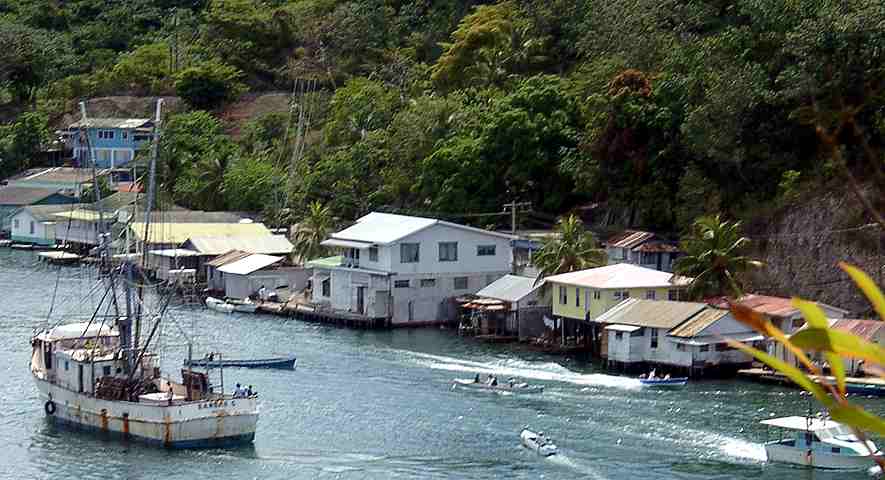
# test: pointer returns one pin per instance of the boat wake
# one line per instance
(743, 449)
(565, 461)
(548, 371)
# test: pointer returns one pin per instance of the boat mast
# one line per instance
(149, 205)
(104, 246)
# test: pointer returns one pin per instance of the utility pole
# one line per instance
(513, 207)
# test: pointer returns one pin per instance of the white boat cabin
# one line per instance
(818, 442)
(84, 358)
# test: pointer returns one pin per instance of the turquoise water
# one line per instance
(380, 405)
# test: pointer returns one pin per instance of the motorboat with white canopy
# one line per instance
(819, 442)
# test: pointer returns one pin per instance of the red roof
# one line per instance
(866, 329)
(764, 304)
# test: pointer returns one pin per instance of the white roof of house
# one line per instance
(77, 330)
(385, 228)
(247, 265)
(510, 288)
(175, 252)
(802, 423)
(220, 244)
(623, 328)
(619, 276)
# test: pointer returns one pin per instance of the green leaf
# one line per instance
(837, 368)
(793, 373)
(858, 418)
(813, 314)
(868, 286)
(840, 343)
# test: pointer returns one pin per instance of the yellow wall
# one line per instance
(599, 306)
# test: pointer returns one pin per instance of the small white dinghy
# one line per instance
(229, 306)
(820, 443)
(506, 387)
(219, 305)
(537, 443)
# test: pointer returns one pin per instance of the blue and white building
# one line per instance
(113, 141)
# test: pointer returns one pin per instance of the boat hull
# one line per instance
(219, 305)
(818, 459)
(279, 363)
(182, 425)
(670, 382)
(502, 388)
(530, 441)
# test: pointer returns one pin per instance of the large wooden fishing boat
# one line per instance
(102, 375)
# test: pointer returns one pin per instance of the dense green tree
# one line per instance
(193, 156)
(251, 183)
(315, 227)
(358, 108)
(570, 249)
(209, 84)
(489, 45)
(21, 141)
(146, 68)
(714, 258)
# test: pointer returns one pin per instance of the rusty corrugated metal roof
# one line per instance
(231, 256)
(657, 247)
(764, 304)
(698, 323)
(866, 329)
(629, 239)
(651, 313)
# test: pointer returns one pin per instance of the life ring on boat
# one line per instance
(49, 407)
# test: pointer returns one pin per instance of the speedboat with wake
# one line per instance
(537, 442)
(819, 442)
(664, 382)
(507, 387)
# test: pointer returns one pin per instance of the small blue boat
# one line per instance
(278, 362)
(664, 382)
(865, 389)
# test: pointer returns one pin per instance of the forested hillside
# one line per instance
(659, 110)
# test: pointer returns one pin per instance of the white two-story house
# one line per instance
(407, 269)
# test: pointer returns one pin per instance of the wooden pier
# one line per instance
(309, 313)
(859, 385)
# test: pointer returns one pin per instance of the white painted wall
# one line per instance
(468, 260)
(21, 224)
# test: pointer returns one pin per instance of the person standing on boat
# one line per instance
(476, 378)
(262, 293)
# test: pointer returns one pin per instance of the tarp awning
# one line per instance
(336, 242)
(623, 328)
(249, 264)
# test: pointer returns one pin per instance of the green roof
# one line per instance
(327, 262)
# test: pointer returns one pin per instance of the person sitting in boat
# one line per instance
(494, 382)
(651, 374)
(667, 377)
(643, 376)
(238, 391)
(249, 391)
(476, 378)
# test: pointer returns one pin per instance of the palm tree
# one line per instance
(313, 229)
(713, 257)
(572, 249)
